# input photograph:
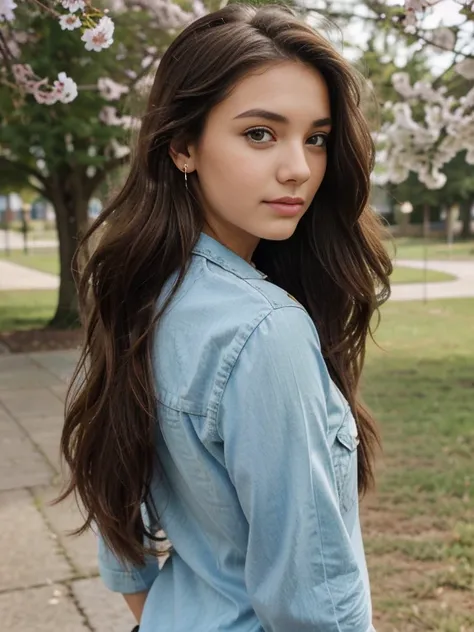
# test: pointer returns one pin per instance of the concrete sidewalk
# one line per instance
(463, 286)
(16, 277)
(48, 581)
(15, 241)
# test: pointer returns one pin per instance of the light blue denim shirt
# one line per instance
(259, 453)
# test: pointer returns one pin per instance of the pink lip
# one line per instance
(285, 208)
(287, 200)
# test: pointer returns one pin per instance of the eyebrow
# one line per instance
(279, 118)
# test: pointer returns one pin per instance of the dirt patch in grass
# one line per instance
(413, 594)
(40, 340)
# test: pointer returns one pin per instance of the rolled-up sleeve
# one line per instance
(301, 572)
(125, 578)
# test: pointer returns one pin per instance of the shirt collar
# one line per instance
(222, 256)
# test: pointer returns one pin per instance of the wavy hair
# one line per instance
(334, 263)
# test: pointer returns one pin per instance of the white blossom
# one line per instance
(198, 8)
(69, 22)
(68, 143)
(99, 37)
(111, 90)
(109, 116)
(118, 150)
(7, 8)
(65, 88)
(74, 5)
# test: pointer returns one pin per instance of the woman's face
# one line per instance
(265, 142)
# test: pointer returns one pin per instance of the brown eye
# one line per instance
(321, 140)
(257, 135)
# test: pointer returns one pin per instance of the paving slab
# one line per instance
(58, 363)
(64, 518)
(27, 378)
(21, 465)
(44, 609)
(60, 391)
(15, 362)
(29, 551)
(45, 433)
(34, 402)
(106, 611)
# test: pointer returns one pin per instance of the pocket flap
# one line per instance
(347, 434)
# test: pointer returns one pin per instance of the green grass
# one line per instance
(26, 309)
(414, 248)
(413, 275)
(44, 260)
(418, 528)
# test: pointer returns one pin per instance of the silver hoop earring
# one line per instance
(186, 176)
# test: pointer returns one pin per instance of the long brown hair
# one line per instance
(334, 263)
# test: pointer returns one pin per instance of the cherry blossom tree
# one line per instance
(72, 77)
(432, 122)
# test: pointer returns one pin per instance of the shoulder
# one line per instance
(214, 315)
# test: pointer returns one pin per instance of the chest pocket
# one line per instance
(344, 454)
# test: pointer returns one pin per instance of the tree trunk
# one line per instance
(71, 208)
(465, 217)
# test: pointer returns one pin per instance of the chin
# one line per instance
(279, 231)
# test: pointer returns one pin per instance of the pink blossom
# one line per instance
(69, 22)
(110, 90)
(100, 36)
(22, 73)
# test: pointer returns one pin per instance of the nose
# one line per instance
(294, 165)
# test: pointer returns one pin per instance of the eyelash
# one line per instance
(264, 129)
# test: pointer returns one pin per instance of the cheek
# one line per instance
(319, 170)
(229, 169)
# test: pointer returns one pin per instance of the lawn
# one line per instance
(46, 260)
(26, 309)
(419, 527)
(413, 248)
(413, 275)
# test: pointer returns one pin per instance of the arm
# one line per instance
(301, 572)
(133, 582)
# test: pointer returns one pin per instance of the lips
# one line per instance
(288, 207)
(287, 200)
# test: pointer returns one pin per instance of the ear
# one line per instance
(182, 155)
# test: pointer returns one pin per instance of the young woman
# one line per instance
(226, 309)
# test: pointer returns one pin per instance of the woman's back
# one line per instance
(222, 399)
(205, 392)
